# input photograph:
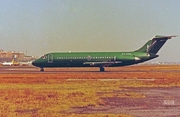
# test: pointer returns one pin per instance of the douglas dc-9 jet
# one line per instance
(103, 59)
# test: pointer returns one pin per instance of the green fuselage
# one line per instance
(92, 59)
(103, 59)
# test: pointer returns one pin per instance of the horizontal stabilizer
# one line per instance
(155, 44)
(161, 37)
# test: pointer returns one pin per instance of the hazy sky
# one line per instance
(42, 26)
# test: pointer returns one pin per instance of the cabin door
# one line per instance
(50, 58)
(114, 58)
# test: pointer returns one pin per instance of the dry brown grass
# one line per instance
(47, 94)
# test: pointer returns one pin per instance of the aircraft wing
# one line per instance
(103, 64)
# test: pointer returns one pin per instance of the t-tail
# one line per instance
(154, 45)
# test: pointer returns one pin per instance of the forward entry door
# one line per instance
(114, 58)
(50, 58)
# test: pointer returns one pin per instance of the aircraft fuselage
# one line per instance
(92, 59)
(103, 59)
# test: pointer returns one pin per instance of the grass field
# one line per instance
(57, 94)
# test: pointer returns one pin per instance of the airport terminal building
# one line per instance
(17, 56)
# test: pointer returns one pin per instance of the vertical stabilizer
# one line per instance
(13, 61)
(155, 44)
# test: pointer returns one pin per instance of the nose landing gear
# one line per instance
(42, 69)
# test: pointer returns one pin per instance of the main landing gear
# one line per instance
(102, 69)
(42, 69)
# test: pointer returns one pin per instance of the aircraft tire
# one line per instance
(41, 70)
(102, 69)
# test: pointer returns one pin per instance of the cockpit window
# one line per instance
(44, 57)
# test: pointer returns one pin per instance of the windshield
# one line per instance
(44, 57)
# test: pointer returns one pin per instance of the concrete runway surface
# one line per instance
(31, 69)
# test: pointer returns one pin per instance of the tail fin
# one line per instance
(13, 61)
(155, 44)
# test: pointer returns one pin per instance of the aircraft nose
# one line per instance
(34, 63)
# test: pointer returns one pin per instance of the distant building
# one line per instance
(17, 56)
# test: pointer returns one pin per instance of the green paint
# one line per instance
(103, 59)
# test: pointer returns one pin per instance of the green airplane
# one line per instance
(103, 59)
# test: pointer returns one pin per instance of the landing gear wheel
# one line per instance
(102, 69)
(41, 70)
